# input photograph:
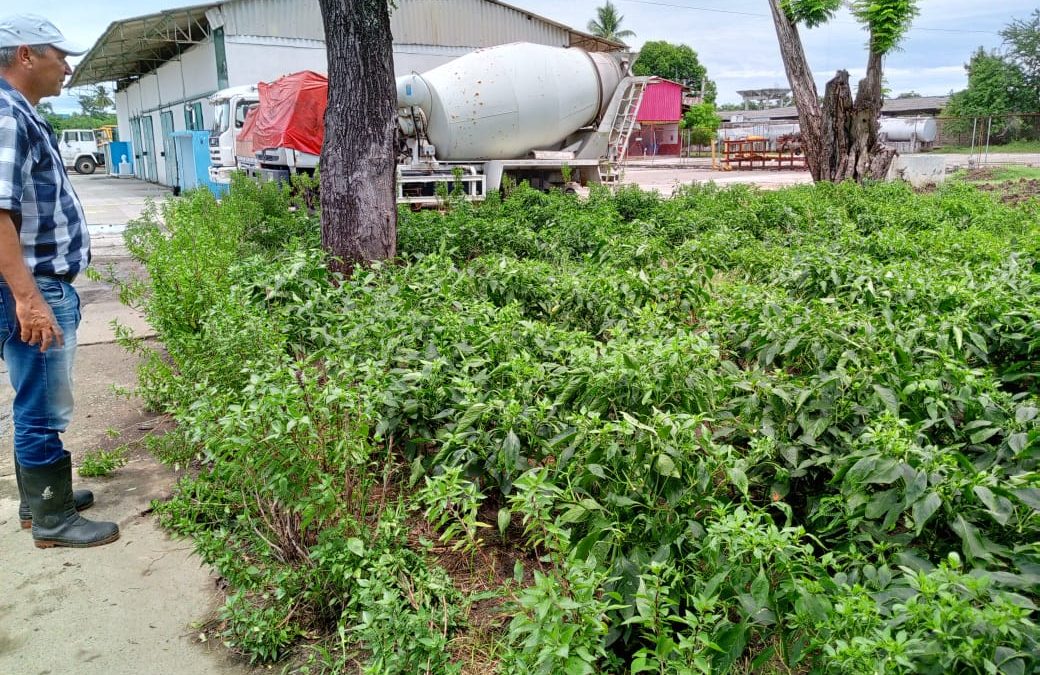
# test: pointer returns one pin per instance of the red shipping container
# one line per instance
(291, 113)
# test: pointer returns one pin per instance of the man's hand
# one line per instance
(37, 322)
(35, 317)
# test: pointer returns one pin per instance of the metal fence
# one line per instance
(991, 140)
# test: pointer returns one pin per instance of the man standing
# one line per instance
(44, 244)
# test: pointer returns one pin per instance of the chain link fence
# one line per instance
(990, 140)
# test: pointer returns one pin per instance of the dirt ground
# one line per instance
(130, 606)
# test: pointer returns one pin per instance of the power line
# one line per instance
(721, 11)
(767, 16)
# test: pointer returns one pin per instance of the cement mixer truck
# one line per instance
(552, 116)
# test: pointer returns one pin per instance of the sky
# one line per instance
(735, 39)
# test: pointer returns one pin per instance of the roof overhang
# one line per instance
(132, 47)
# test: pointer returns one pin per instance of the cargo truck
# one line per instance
(230, 108)
(82, 149)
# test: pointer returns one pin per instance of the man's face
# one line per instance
(49, 70)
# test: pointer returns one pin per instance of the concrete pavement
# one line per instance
(130, 607)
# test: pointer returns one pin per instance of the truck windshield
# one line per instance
(221, 116)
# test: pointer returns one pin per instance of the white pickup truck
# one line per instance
(81, 149)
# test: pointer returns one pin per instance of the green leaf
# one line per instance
(888, 397)
(974, 544)
(999, 507)
(863, 468)
(1025, 413)
(1029, 496)
(504, 518)
(984, 434)
(665, 466)
(760, 589)
(740, 479)
(731, 641)
(356, 546)
(923, 510)
(886, 470)
(575, 514)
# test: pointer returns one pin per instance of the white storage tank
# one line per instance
(502, 102)
(898, 129)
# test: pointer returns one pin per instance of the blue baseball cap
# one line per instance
(33, 30)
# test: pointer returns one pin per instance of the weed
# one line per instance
(99, 463)
(734, 430)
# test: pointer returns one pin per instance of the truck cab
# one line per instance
(81, 149)
(230, 107)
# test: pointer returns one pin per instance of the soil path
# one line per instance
(130, 606)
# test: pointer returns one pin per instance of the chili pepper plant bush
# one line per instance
(729, 431)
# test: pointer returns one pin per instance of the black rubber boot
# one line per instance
(83, 499)
(55, 520)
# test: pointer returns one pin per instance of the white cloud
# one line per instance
(736, 41)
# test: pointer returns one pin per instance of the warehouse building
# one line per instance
(166, 65)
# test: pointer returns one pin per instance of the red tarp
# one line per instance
(291, 113)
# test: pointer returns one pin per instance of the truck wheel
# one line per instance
(85, 165)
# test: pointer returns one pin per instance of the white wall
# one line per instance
(253, 59)
(420, 58)
(188, 78)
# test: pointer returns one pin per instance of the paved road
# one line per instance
(129, 607)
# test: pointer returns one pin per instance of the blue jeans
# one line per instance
(42, 382)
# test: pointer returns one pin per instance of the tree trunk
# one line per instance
(839, 139)
(358, 173)
(803, 89)
(851, 147)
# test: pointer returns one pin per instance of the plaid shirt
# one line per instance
(36, 190)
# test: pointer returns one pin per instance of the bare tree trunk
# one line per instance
(840, 138)
(803, 89)
(852, 148)
(358, 206)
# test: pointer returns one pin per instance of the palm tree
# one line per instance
(607, 22)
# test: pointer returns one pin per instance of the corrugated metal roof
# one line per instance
(132, 47)
(140, 45)
(892, 106)
(916, 104)
(274, 18)
(470, 23)
(662, 102)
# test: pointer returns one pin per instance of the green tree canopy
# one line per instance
(1022, 41)
(607, 24)
(78, 121)
(995, 87)
(96, 101)
(703, 121)
(675, 62)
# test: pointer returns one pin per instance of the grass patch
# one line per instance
(1013, 147)
(1000, 174)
